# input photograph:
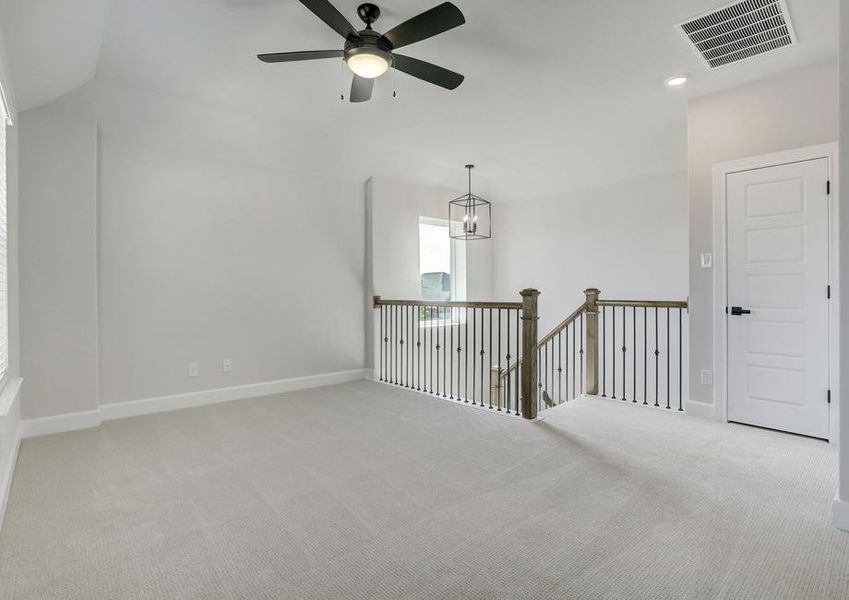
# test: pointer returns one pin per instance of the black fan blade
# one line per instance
(427, 71)
(328, 13)
(361, 89)
(277, 57)
(428, 24)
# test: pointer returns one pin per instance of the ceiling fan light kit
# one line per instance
(369, 54)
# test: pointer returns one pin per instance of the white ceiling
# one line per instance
(559, 95)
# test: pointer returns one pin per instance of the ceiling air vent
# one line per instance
(739, 31)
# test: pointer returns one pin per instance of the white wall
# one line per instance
(202, 260)
(841, 512)
(162, 241)
(58, 260)
(628, 239)
(792, 110)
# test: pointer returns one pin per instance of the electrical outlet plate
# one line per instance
(707, 377)
(707, 260)
(227, 365)
(193, 369)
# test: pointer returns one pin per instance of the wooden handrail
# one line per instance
(644, 303)
(378, 301)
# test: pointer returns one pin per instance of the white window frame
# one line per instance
(458, 270)
(5, 122)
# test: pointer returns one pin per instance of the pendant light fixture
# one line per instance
(470, 216)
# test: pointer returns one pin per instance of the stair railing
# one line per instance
(446, 349)
(631, 347)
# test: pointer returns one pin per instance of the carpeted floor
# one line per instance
(363, 491)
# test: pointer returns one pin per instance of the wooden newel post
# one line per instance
(592, 341)
(530, 335)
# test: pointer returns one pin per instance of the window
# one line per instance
(435, 262)
(442, 266)
(4, 320)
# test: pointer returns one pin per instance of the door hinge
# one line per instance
(828, 292)
(829, 396)
(828, 187)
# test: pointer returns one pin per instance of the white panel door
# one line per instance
(778, 353)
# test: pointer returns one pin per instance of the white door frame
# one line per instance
(721, 172)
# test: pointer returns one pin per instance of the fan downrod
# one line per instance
(369, 13)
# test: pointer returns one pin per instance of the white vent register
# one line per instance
(739, 31)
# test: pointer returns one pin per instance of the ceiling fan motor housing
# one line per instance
(369, 42)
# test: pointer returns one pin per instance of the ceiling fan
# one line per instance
(369, 54)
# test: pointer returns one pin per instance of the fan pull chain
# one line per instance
(342, 81)
(394, 86)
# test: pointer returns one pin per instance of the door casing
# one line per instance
(721, 172)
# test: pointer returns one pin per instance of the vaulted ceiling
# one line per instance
(558, 94)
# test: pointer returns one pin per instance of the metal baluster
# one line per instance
(459, 349)
(546, 372)
(581, 337)
(429, 352)
(438, 344)
(552, 389)
(645, 355)
(403, 310)
(668, 352)
(634, 352)
(680, 360)
(613, 352)
(624, 354)
(394, 344)
(656, 359)
(449, 351)
(411, 351)
(380, 361)
(560, 366)
(539, 377)
(474, 351)
(509, 377)
(418, 348)
(574, 371)
(446, 351)
(483, 355)
(518, 356)
(604, 352)
(568, 372)
(490, 353)
(466, 356)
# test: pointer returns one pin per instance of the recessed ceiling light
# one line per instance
(677, 81)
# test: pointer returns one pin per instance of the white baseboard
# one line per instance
(840, 514)
(699, 410)
(60, 423)
(134, 408)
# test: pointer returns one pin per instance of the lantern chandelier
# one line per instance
(470, 216)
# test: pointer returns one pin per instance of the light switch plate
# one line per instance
(193, 369)
(707, 377)
(707, 260)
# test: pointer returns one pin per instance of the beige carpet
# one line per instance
(364, 491)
